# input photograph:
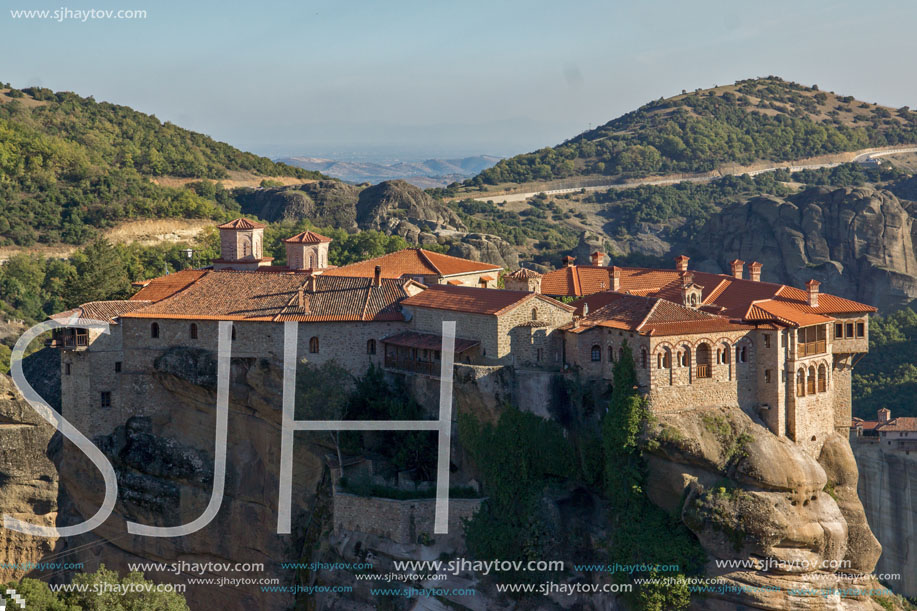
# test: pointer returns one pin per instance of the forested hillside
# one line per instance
(70, 165)
(752, 120)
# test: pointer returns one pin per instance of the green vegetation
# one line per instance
(70, 166)
(538, 223)
(100, 595)
(758, 119)
(887, 375)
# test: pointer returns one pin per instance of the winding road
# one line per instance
(861, 156)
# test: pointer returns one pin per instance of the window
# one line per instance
(538, 355)
(117, 366)
(838, 330)
(534, 311)
(233, 334)
(861, 329)
(659, 361)
(810, 383)
(767, 376)
(106, 398)
(596, 353)
(154, 330)
(685, 357)
(644, 358)
(743, 354)
(822, 378)
(667, 359)
(313, 346)
(811, 340)
(371, 347)
(703, 361)
(800, 383)
(66, 368)
(767, 340)
(848, 329)
(192, 331)
(611, 354)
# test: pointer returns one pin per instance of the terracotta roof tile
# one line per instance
(166, 286)
(473, 299)
(414, 262)
(524, 273)
(307, 237)
(242, 223)
(239, 295)
(100, 310)
(900, 424)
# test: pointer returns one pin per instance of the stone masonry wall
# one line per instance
(405, 522)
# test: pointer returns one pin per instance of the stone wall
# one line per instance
(406, 522)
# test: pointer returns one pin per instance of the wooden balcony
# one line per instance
(68, 340)
(810, 348)
(430, 368)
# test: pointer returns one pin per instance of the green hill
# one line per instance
(70, 165)
(752, 120)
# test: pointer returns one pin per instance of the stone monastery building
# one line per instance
(698, 339)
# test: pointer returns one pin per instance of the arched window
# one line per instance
(667, 359)
(534, 310)
(703, 361)
(659, 361)
(743, 354)
(233, 333)
(246, 246)
(313, 345)
(311, 260)
(371, 347)
(800, 383)
(192, 331)
(154, 330)
(685, 356)
(810, 383)
(611, 354)
(644, 358)
(596, 353)
(822, 378)
(726, 352)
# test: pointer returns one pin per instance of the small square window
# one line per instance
(838, 330)
(767, 340)
(117, 366)
(106, 398)
(861, 329)
(767, 376)
(66, 368)
(848, 329)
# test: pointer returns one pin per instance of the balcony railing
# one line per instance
(408, 364)
(70, 341)
(810, 348)
(703, 370)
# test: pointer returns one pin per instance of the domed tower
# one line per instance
(241, 243)
(307, 250)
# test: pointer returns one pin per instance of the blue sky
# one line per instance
(411, 79)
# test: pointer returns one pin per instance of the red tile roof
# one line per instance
(428, 341)
(253, 295)
(475, 300)
(524, 274)
(899, 425)
(241, 223)
(721, 293)
(414, 262)
(100, 310)
(307, 237)
(166, 286)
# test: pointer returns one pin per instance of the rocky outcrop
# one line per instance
(28, 479)
(859, 242)
(325, 203)
(752, 497)
(888, 488)
(485, 247)
(399, 208)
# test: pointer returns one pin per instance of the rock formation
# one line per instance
(859, 242)
(751, 496)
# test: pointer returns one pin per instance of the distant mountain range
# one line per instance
(424, 174)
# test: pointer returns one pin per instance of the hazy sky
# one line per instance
(424, 78)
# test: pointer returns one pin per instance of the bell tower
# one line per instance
(241, 245)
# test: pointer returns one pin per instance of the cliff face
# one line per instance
(888, 488)
(859, 242)
(28, 479)
(753, 497)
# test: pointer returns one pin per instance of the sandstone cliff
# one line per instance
(888, 488)
(859, 242)
(751, 496)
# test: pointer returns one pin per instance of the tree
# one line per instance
(99, 274)
(322, 393)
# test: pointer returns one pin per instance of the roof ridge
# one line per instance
(426, 259)
(648, 314)
(369, 291)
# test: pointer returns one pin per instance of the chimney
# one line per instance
(598, 258)
(812, 286)
(885, 415)
(377, 276)
(754, 271)
(687, 278)
(681, 263)
(737, 265)
(302, 300)
(568, 261)
(585, 309)
(616, 279)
